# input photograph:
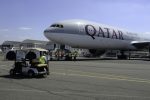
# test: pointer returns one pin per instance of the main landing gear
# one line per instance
(122, 56)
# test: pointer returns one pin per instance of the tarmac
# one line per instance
(86, 79)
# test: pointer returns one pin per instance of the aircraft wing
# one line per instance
(140, 44)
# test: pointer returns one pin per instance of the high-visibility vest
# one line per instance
(42, 60)
(70, 54)
(75, 53)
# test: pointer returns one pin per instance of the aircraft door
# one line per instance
(81, 28)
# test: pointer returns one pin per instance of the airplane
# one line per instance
(96, 37)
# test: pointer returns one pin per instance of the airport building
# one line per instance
(33, 44)
(28, 43)
(7, 45)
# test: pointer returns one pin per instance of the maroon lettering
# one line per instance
(120, 35)
(101, 33)
(114, 35)
(90, 30)
(108, 33)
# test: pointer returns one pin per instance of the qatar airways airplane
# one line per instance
(94, 36)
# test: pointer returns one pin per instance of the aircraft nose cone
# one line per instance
(50, 34)
(46, 32)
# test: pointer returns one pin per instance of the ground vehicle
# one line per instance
(25, 65)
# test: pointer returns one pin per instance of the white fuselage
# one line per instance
(90, 35)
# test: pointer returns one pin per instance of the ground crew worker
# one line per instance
(70, 56)
(67, 56)
(43, 60)
(57, 55)
(75, 55)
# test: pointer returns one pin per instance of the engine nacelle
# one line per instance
(96, 53)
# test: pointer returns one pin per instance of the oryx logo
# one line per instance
(90, 30)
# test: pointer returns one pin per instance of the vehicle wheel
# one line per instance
(12, 72)
(31, 73)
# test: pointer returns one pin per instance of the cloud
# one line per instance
(144, 35)
(4, 30)
(147, 32)
(25, 28)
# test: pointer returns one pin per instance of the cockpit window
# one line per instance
(61, 26)
(57, 25)
(53, 25)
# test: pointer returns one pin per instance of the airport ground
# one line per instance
(86, 79)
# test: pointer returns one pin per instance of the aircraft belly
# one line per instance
(83, 41)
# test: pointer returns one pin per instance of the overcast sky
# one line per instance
(27, 19)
